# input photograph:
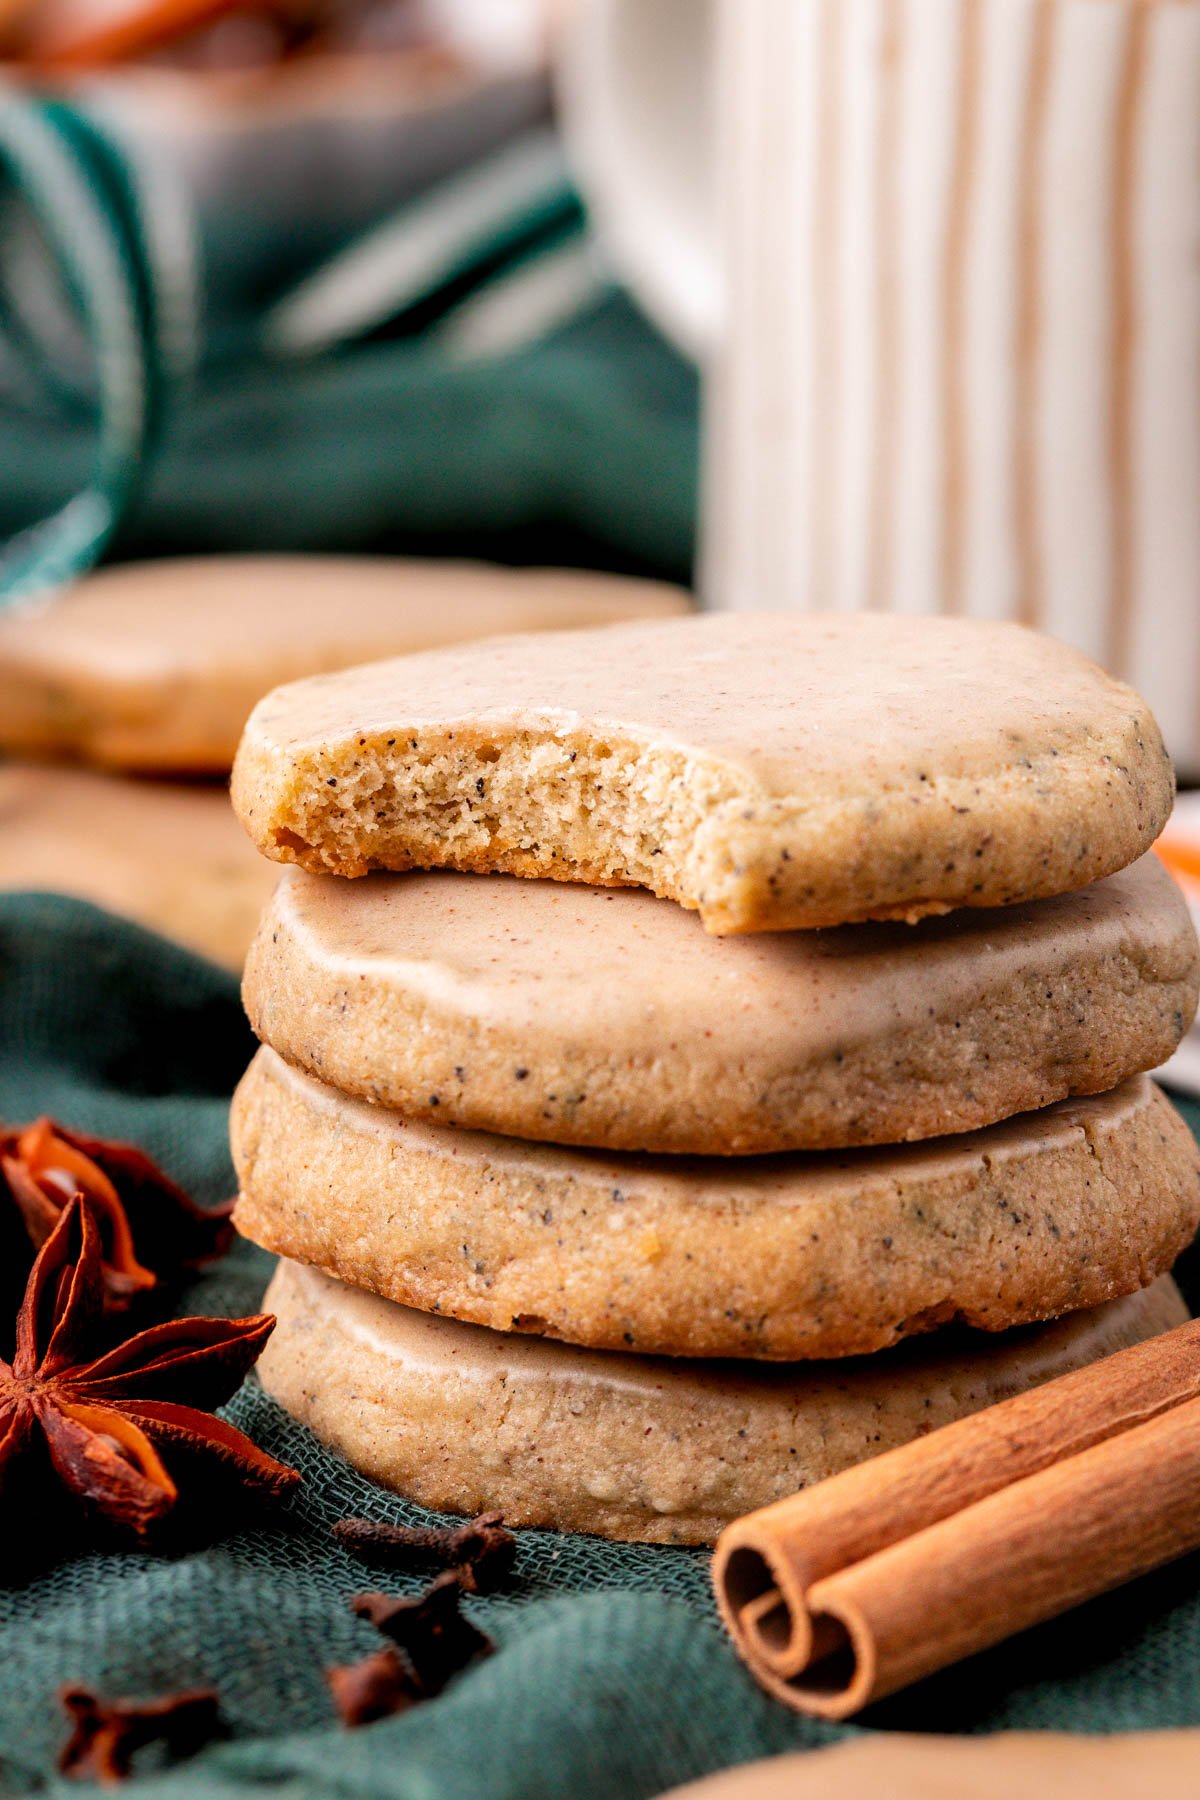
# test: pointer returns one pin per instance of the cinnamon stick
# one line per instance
(894, 1569)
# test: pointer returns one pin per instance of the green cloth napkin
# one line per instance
(612, 1679)
(579, 450)
(133, 424)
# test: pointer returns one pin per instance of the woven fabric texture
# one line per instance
(611, 1681)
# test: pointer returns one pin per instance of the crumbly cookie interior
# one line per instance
(578, 806)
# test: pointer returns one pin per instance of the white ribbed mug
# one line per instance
(949, 296)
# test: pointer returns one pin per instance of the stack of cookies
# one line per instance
(629, 1220)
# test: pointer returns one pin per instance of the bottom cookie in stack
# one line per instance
(462, 1418)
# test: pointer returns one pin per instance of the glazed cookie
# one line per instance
(610, 1018)
(770, 770)
(463, 1419)
(169, 856)
(1037, 1765)
(779, 1257)
(156, 665)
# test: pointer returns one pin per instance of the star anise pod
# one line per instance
(429, 1642)
(111, 1439)
(105, 1733)
(149, 1228)
(480, 1551)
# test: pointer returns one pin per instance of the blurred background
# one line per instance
(308, 355)
(371, 311)
(334, 329)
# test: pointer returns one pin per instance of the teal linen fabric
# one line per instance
(134, 422)
(612, 1680)
(579, 449)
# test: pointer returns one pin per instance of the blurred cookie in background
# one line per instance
(1040, 1765)
(155, 666)
(169, 856)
